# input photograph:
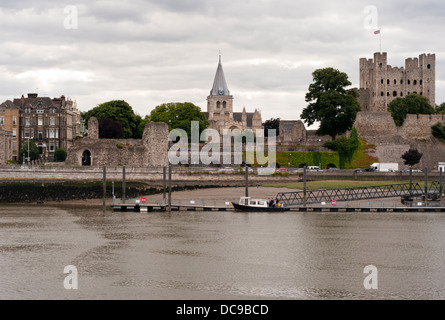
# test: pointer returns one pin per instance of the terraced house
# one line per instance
(9, 120)
(51, 123)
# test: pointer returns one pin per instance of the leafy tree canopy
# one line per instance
(412, 103)
(110, 129)
(330, 103)
(60, 154)
(440, 109)
(273, 123)
(119, 111)
(345, 147)
(178, 115)
(411, 157)
(33, 150)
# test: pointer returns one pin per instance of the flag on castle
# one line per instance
(377, 32)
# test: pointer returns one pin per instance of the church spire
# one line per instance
(219, 84)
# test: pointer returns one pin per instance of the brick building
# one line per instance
(9, 119)
(51, 123)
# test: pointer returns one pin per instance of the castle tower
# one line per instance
(219, 102)
(428, 77)
(381, 83)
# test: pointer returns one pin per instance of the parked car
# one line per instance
(227, 169)
(333, 169)
(364, 170)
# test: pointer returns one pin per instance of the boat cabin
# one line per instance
(248, 201)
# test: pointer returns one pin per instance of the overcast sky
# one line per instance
(153, 52)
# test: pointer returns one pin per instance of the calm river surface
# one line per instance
(219, 255)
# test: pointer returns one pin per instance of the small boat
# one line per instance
(258, 205)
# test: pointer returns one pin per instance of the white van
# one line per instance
(313, 168)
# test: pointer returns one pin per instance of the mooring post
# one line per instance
(104, 185)
(440, 185)
(247, 179)
(123, 184)
(164, 178)
(169, 187)
(426, 186)
(304, 186)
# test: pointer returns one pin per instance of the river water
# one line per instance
(219, 255)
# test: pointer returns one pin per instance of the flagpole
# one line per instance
(380, 40)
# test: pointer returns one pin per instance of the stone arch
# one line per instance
(86, 158)
(218, 104)
(224, 104)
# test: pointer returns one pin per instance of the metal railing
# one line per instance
(350, 194)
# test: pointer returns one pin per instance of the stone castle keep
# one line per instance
(380, 83)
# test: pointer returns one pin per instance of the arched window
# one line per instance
(218, 104)
(381, 81)
(409, 81)
(395, 81)
(420, 82)
(387, 81)
(387, 94)
(224, 104)
(394, 94)
(401, 81)
(428, 66)
(415, 82)
(381, 93)
(86, 158)
(401, 94)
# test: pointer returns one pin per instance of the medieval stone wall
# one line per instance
(151, 150)
(5, 145)
(392, 141)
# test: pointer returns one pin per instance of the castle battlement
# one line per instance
(381, 83)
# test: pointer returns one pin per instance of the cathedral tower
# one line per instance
(220, 102)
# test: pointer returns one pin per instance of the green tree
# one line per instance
(411, 157)
(33, 150)
(345, 147)
(119, 111)
(438, 131)
(330, 103)
(412, 103)
(178, 116)
(440, 109)
(273, 123)
(60, 154)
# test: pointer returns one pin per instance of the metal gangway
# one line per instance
(298, 198)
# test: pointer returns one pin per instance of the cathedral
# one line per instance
(220, 108)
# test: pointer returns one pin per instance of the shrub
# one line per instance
(59, 155)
